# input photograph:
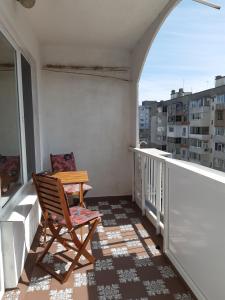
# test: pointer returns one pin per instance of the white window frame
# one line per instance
(4, 206)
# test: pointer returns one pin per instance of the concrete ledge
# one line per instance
(18, 230)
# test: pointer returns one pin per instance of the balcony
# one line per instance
(84, 74)
(203, 137)
(199, 150)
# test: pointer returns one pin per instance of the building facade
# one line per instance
(147, 129)
(191, 126)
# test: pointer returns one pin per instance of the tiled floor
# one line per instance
(128, 265)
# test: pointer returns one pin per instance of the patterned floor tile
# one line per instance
(128, 265)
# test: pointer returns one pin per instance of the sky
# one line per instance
(188, 52)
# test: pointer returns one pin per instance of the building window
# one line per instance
(219, 131)
(178, 118)
(199, 130)
(219, 115)
(183, 153)
(171, 129)
(220, 98)
(219, 147)
(183, 131)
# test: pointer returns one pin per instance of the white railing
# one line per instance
(149, 182)
(187, 201)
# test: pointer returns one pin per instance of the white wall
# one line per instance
(178, 131)
(195, 227)
(90, 116)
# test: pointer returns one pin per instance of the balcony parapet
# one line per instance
(185, 201)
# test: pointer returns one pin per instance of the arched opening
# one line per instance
(181, 89)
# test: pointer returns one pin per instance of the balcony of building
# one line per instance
(199, 119)
(82, 61)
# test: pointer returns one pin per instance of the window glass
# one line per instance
(28, 116)
(10, 151)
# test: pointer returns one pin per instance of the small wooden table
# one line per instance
(73, 177)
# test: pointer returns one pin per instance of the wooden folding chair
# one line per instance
(66, 162)
(57, 215)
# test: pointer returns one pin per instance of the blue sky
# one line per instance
(189, 51)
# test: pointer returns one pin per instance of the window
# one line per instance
(28, 116)
(16, 133)
(196, 143)
(177, 150)
(183, 131)
(219, 147)
(220, 98)
(185, 118)
(171, 129)
(10, 150)
(178, 118)
(199, 130)
(219, 131)
(183, 153)
(195, 156)
(219, 115)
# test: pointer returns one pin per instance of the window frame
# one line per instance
(21, 124)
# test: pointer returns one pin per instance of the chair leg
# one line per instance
(82, 249)
(79, 247)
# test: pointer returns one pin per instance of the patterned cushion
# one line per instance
(63, 162)
(10, 165)
(78, 216)
(9, 171)
(71, 189)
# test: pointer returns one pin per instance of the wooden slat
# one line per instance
(48, 186)
(54, 199)
(45, 179)
(53, 209)
(49, 192)
(47, 204)
(54, 204)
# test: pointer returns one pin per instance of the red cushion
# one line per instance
(71, 189)
(63, 162)
(10, 165)
(78, 216)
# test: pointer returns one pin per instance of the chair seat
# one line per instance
(78, 216)
(71, 189)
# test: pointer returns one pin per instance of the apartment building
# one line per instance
(161, 126)
(218, 135)
(191, 126)
(200, 128)
(206, 126)
(147, 123)
(177, 124)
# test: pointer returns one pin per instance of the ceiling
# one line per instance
(104, 23)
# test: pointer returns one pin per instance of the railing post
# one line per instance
(151, 181)
(143, 165)
(158, 194)
(133, 177)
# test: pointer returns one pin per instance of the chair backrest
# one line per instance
(52, 198)
(63, 162)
